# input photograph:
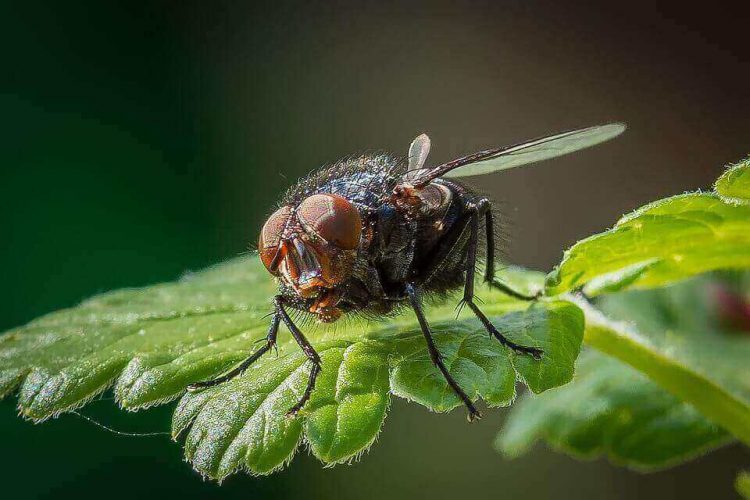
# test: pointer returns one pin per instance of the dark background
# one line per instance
(140, 140)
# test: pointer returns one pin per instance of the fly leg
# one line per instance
(279, 315)
(273, 330)
(471, 259)
(437, 359)
(309, 351)
(489, 272)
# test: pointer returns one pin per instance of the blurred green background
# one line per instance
(141, 140)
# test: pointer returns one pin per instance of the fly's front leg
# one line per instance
(273, 331)
(309, 351)
(437, 359)
(471, 259)
(489, 272)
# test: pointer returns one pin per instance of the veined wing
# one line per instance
(492, 160)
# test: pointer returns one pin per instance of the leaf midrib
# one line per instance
(712, 400)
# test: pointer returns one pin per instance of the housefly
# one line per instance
(374, 234)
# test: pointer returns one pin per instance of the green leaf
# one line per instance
(483, 369)
(664, 241)
(149, 344)
(679, 382)
(613, 410)
(734, 184)
(742, 484)
(678, 337)
(706, 368)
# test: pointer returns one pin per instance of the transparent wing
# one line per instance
(418, 151)
(492, 160)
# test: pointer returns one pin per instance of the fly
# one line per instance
(374, 234)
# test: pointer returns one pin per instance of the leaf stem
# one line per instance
(624, 343)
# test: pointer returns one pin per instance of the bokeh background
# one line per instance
(143, 139)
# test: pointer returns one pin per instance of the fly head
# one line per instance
(311, 248)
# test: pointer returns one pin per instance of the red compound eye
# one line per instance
(270, 236)
(332, 218)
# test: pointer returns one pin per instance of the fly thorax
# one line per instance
(430, 200)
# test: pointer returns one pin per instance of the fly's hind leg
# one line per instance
(470, 218)
(482, 207)
(489, 272)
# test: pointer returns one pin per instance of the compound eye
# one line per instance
(332, 218)
(270, 236)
